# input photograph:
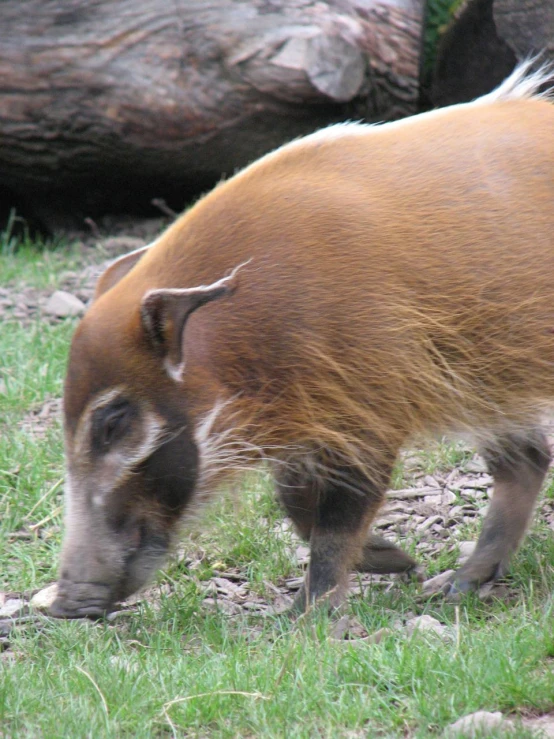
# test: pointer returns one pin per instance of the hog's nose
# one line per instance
(81, 599)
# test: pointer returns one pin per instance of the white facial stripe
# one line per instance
(205, 427)
(99, 401)
(209, 445)
(221, 451)
(118, 465)
(82, 434)
(174, 371)
(153, 432)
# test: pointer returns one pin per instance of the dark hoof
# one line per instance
(460, 584)
(456, 589)
(330, 602)
(81, 600)
(60, 610)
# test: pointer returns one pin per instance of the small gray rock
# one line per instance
(13, 607)
(466, 550)
(476, 465)
(428, 523)
(426, 624)
(45, 597)
(448, 497)
(433, 500)
(477, 724)
(63, 304)
(302, 554)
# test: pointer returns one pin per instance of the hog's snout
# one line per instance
(98, 572)
(81, 599)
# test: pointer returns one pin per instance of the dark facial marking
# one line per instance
(170, 473)
(110, 423)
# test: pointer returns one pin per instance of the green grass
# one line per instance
(32, 362)
(177, 668)
(40, 267)
(431, 459)
(37, 262)
(438, 15)
(210, 675)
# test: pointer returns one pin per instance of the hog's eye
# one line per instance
(111, 423)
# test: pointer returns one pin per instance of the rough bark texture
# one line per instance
(105, 103)
(485, 41)
(527, 26)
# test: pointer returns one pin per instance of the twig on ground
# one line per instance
(94, 228)
(164, 207)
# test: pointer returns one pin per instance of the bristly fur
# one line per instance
(526, 81)
(447, 366)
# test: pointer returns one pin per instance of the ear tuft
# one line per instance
(164, 314)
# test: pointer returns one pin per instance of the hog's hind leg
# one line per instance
(333, 512)
(518, 464)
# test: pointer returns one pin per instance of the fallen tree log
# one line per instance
(106, 104)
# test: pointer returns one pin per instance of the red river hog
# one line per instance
(345, 295)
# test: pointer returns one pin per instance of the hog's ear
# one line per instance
(117, 270)
(164, 314)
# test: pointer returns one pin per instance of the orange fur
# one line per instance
(400, 283)
(396, 281)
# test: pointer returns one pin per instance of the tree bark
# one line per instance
(527, 26)
(106, 104)
(484, 43)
